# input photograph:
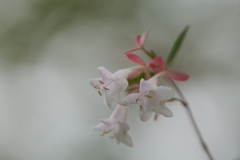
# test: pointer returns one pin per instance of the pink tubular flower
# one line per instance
(158, 65)
(140, 40)
(117, 125)
(151, 100)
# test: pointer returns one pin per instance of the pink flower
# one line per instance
(140, 40)
(158, 65)
(117, 125)
(151, 99)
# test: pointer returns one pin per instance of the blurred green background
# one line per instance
(50, 48)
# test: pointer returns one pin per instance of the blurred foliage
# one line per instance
(47, 17)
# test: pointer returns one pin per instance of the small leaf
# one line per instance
(177, 46)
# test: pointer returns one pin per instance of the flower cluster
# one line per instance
(137, 85)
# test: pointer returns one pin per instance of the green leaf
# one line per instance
(177, 46)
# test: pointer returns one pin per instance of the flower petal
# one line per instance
(124, 125)
(95, 81)
(105, 73)
(101, 127)
(145, 86)
(145, 114)
(109, 121)
(132, 98)
(136, 59)
(108, 100)
(164, 93)
(131, 50)
(120, 113)
(121, 84)
(119, 132)
(140, 40)
(177, 76)
(162, 109)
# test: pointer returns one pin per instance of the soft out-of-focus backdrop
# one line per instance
(50, 48)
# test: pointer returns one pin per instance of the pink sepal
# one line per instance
(177, 76)
(157, 64)
(131, 51)
(140, 40)
(136, 59)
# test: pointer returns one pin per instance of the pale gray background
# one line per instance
(50, 48)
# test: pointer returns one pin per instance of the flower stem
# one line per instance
(147, 53)
(186, 105)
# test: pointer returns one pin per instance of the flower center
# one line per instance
(102, 86)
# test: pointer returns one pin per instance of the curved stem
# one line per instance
(147, 53)
(186, 105)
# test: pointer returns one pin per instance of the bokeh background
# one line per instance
(50, 48)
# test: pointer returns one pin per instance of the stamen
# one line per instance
(99, 93)
(101, 82)
(148, 96)
(140, 108)
(97, 86)
(104, 132)
(138, 99)
(105, 88)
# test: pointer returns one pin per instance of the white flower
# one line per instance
(117, 125)
(110, 85)
(151, 100)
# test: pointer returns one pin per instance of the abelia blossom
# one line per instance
(117, 125)
(140, 40)
(151, 99)
(159, 65)
(110, 86)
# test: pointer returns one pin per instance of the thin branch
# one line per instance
(186, 105)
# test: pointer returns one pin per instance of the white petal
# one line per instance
(127, 140)
(124, 125)
(120, 113)
(150, 102)
(122, 136)
(121, 84)
(101, 127)
(109, 121)
(107, 100)
(162, 109)
(145, 86)
(164, 93)
(145, 114)
(121, 74)
(105, 73)
(94, 81)
(119, 99)
(132, 98)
